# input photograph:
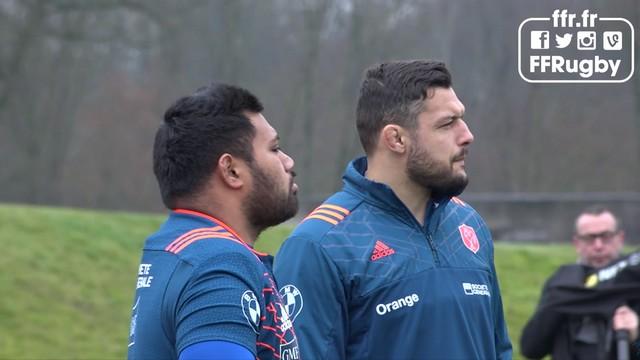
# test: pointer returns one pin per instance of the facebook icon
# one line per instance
(539, 40)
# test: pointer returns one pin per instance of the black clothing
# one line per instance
(573, 318)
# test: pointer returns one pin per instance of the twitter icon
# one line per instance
(563, 41)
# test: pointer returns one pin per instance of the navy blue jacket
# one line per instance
(362, 279)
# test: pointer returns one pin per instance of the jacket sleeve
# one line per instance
(320, 314)
(504, 349)
(539, 333)
(503, 343)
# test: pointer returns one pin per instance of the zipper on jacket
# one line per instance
(425, 229)
(436, 259)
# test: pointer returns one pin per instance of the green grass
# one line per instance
(522, 270)
(67, 279)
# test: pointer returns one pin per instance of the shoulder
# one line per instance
(460, 214)
(200, 244)
(569, 274)
(229, 266)
(463, 210)
(466, 215)
(332, 213)
(209, 252)
(311, 240)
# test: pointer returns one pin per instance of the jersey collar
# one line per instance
(220, 223)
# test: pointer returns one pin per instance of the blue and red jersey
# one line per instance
(363, 279)
(198, 281)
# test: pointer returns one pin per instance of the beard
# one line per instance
(438, 178)
(267, 204)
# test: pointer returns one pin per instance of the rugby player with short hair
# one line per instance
(394, 266)
(202, 291)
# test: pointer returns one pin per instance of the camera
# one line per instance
(586, 40)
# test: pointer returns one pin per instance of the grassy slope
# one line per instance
(522, 270)
(67, 279)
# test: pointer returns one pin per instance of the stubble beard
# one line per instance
(267, 205)
(438, 178)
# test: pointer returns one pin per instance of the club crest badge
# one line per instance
(469, 238)
(251, 309)
(292, 299)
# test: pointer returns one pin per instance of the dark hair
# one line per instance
(197, 130)
(394, 93)
(598, 209)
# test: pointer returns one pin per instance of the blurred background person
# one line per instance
(584, 333)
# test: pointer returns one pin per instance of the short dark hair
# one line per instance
(196, 131)
(597, 209)
(393, 93)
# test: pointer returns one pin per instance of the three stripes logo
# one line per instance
(332, 214)
(217, 232)
(198, 234)
(381, 250)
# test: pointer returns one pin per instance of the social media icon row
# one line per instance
(586, 40)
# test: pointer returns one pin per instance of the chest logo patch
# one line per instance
(251, 309)
(469, 238)
(381, 250)
(476, 289)
(292, 299)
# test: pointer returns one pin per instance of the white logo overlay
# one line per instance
(289, 351)
(134, 320)
(407, 301)
(144, 276)
(284, 317)
(251, 309)
(563, 41)
(576, 47)
(475, 289)
(292, 299)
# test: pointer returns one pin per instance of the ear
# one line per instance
(394, 138)
(231, 171)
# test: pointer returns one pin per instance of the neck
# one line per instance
(393, 174)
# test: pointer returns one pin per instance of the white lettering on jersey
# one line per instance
(289, 351)
(144, 277)
(475, 289)
(408, 301)
(286, 322)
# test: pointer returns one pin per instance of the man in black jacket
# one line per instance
(584, 306)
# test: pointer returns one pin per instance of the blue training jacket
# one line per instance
(362, 279)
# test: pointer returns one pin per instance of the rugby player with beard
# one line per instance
(395, 266)
(202, 291)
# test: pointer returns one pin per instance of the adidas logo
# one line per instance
(381, 250)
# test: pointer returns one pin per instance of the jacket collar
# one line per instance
(379, 194)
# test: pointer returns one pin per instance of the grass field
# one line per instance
(67, 279)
